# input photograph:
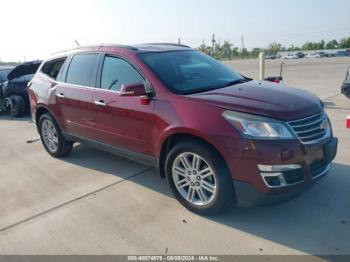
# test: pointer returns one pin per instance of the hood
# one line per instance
(264, 98)
(24, 69)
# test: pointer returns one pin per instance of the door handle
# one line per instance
(60, 95)
(100, 103)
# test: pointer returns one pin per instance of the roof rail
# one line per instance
(120, 46)
(169, 44)
(97, 45)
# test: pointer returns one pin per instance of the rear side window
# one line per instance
(117, 72)
(53, 67)
(82, 70)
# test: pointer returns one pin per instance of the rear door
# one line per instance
(74, 95)
(124, 122)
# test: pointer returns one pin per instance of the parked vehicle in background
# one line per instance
(4, 71)
(345, 89)
(300, 55)
(270, 57)
(313, 55)
(322, 54)
(340, 54)
(13, 92)
(348, 52)
(291, 56)
(217, 136)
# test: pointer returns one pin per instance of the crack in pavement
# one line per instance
(74, 200)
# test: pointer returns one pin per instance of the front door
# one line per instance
(123, 122)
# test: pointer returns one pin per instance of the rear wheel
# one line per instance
(52, 138)
(18, 107)
(199, 178)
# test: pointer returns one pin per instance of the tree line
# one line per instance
(229, 51)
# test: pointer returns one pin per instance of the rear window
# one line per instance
(53, 67)
(82, 70)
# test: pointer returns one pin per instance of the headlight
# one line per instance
(252, 126)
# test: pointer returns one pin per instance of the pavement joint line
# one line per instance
(74, 200)
(329, 97)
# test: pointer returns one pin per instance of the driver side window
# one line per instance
(117, 72)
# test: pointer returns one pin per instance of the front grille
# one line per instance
(294, 176)
(311, 128)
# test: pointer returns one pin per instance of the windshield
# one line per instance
(186, 72)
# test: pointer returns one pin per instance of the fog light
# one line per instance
(278, 168)
(274, 179)
(273, 174)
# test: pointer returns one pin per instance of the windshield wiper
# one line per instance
(235, 82)
(231, 83)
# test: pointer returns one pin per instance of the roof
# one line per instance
(150, 47)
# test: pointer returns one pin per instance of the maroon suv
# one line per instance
(217, 136)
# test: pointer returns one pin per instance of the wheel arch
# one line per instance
(173, 138)
(42, 109)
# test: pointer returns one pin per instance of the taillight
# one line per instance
(348, 122)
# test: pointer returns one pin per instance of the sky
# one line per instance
(35, 29)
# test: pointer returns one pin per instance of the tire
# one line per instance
(18, 106)
(220, 198)
(61, 147)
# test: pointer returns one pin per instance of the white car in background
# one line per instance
(291, 56)
(313, 55)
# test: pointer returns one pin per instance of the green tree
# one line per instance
(255, 52)
(344, 42)
(273, 48)
(333, 44)
(226, 50)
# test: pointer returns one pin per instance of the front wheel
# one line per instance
(199, 178)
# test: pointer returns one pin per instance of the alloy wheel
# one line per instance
(194, 179)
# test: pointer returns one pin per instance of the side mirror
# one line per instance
(133, 89)
(274, 79)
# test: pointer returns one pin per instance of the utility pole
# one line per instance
(179, 41)
(243, 48)
(213, 42)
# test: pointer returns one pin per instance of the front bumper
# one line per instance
(315, 162)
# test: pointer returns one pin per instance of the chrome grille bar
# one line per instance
(310, 129)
